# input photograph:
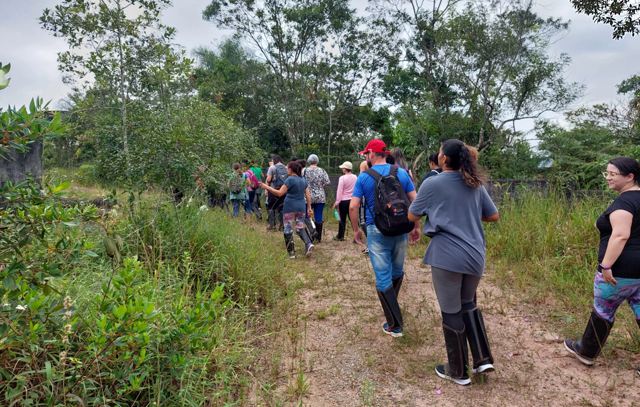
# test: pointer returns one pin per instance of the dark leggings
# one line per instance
(343, 208)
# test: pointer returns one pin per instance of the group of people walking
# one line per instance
(383, 206)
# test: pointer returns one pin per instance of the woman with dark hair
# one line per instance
(396, 156)
(297, 197)
(456, 203)
(618, 272)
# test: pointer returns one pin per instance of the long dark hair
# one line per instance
(459, 158)
(626, 166)
(295, 167)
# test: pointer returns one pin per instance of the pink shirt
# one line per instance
(345, 187)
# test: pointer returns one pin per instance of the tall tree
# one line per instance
(622, 15)
(487, 61)
(121, 48)
(317, 57)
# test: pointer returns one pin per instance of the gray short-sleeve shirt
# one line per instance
(454, 222)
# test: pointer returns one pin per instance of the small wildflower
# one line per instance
(20, 307)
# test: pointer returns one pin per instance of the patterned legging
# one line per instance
(608, 297)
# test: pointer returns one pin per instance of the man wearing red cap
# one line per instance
(387, 253)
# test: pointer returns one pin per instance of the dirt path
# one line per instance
(343, 359)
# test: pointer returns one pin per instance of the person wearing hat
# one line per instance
(317, 179)
(387, 253)
(343, 196)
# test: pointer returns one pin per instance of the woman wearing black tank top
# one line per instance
(618, 274)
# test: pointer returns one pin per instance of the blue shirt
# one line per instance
(366, 187)
(454, 222)
(295, 201)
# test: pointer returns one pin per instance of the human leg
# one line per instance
(279, 206)
(343, 209)
(289, 226)
(271, 212)
(606, 300)
(399, 253)
(302, 232)
(318, 209)
(448, 288)
(381, 249)
(236, 207)
(247, 207)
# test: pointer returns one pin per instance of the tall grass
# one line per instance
(175, 318)
(545, 249)
(546, 244)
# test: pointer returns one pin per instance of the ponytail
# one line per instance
(461, 159)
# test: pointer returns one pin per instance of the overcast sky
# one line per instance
(598, 61)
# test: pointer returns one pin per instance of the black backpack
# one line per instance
(391, 205)
(280, 176)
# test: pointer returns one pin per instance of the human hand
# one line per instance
(357, 236)
(414, 235)
(607, 274)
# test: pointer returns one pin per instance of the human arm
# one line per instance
(489, 210)
(307, 195)
(414, 235)
(277, 192)
(621, 230)
(491, 218)
(339, 192)
(354, 208)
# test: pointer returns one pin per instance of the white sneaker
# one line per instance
(309, 249)
(487, 367)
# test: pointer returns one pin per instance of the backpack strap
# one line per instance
(374, 174)
(393, 172)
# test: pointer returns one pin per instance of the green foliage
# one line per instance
(172, 328)
(20, 127)
(621, 15)
(545, 249)
(172, 146)
(319, 67)
(578, 155)
(125, 58)
(546, 243)
(472, 72)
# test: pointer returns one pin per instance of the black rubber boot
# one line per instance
(308, 244)
(397, 283)
(288, 241)
(456, 369)
(319, 232)
(392, 312)
(595, 335)
(478, 341)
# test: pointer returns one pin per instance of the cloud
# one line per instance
(598, 61)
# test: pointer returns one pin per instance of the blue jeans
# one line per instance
(236, 206)
(317, 211)
(387, 255)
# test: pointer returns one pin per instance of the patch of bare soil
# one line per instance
(335, 353)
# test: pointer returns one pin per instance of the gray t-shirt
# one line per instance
(454, 222)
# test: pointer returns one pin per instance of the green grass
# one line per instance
(545, 248)
(187, 317)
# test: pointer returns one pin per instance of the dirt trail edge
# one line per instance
(342, 357)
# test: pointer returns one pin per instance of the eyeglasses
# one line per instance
(609, 174)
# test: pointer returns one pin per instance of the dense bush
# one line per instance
(147, 304)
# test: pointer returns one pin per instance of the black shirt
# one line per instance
(628, 263)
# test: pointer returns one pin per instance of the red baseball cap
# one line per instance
(375, 146)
